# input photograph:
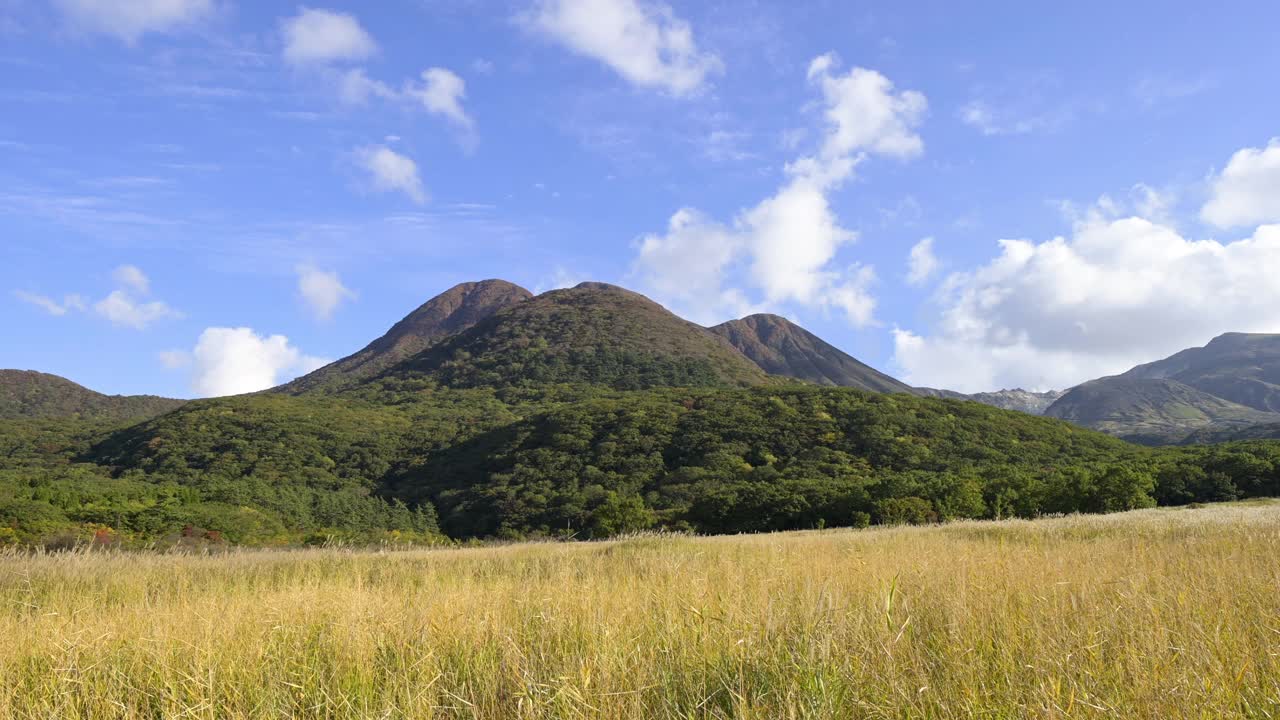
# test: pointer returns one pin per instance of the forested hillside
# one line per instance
(571, 461)
(30, 394)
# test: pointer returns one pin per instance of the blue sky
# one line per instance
(200, 197)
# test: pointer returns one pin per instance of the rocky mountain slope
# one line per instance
(1240, 367)
(1152, 410)
(1199, 394)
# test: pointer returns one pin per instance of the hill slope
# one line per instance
(450, 312)
(593, 333)
(780, 347)
(1151, 409)
(30, 394)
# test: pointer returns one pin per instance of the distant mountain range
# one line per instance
(1216, 391)
(495, 333)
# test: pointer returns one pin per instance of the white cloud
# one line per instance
(921, 263)
(132, 278)
(865, 114)
(786, 245)
(389, 171)
(441, 92)
(791, 237)
(49, 305)
(233, 361)
(123, 309)
(1248, 190)
(324, 36)
(644, 42)
(686, 267)
(322, 291)
(1118, 292)
(131, 19)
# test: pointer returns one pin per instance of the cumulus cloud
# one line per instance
(129, 20)
(865, 114)
(233, 361)
(322, 291)
(786, 245)
(388, 171)
(325, 36)
(644, 42)
(921, 263)
(1247, 192)
(1117, 292)
(122, 306)
(686, 266)
(441, 92)
(123, 309)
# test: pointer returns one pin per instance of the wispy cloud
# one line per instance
(1153, 89)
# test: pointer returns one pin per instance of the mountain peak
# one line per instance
(781, 347)
(1238, 339)
(452, 311)
(595, 285)
(592, 333)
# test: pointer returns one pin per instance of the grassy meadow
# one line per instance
(1147, 614)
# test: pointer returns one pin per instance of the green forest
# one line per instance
(431, 464)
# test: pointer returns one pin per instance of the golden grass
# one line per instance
(1151, 614)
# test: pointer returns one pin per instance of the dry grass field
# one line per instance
(1149, 614)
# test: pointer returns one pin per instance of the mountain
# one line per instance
(593, 333)
(1241, 367)
(1027, 401)
(780, 347)
(589, 412)
(449, 313)
(1202, 394)
(1152, 410)
(30, 394)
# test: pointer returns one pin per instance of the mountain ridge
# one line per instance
(595, 333)
(33, 394)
